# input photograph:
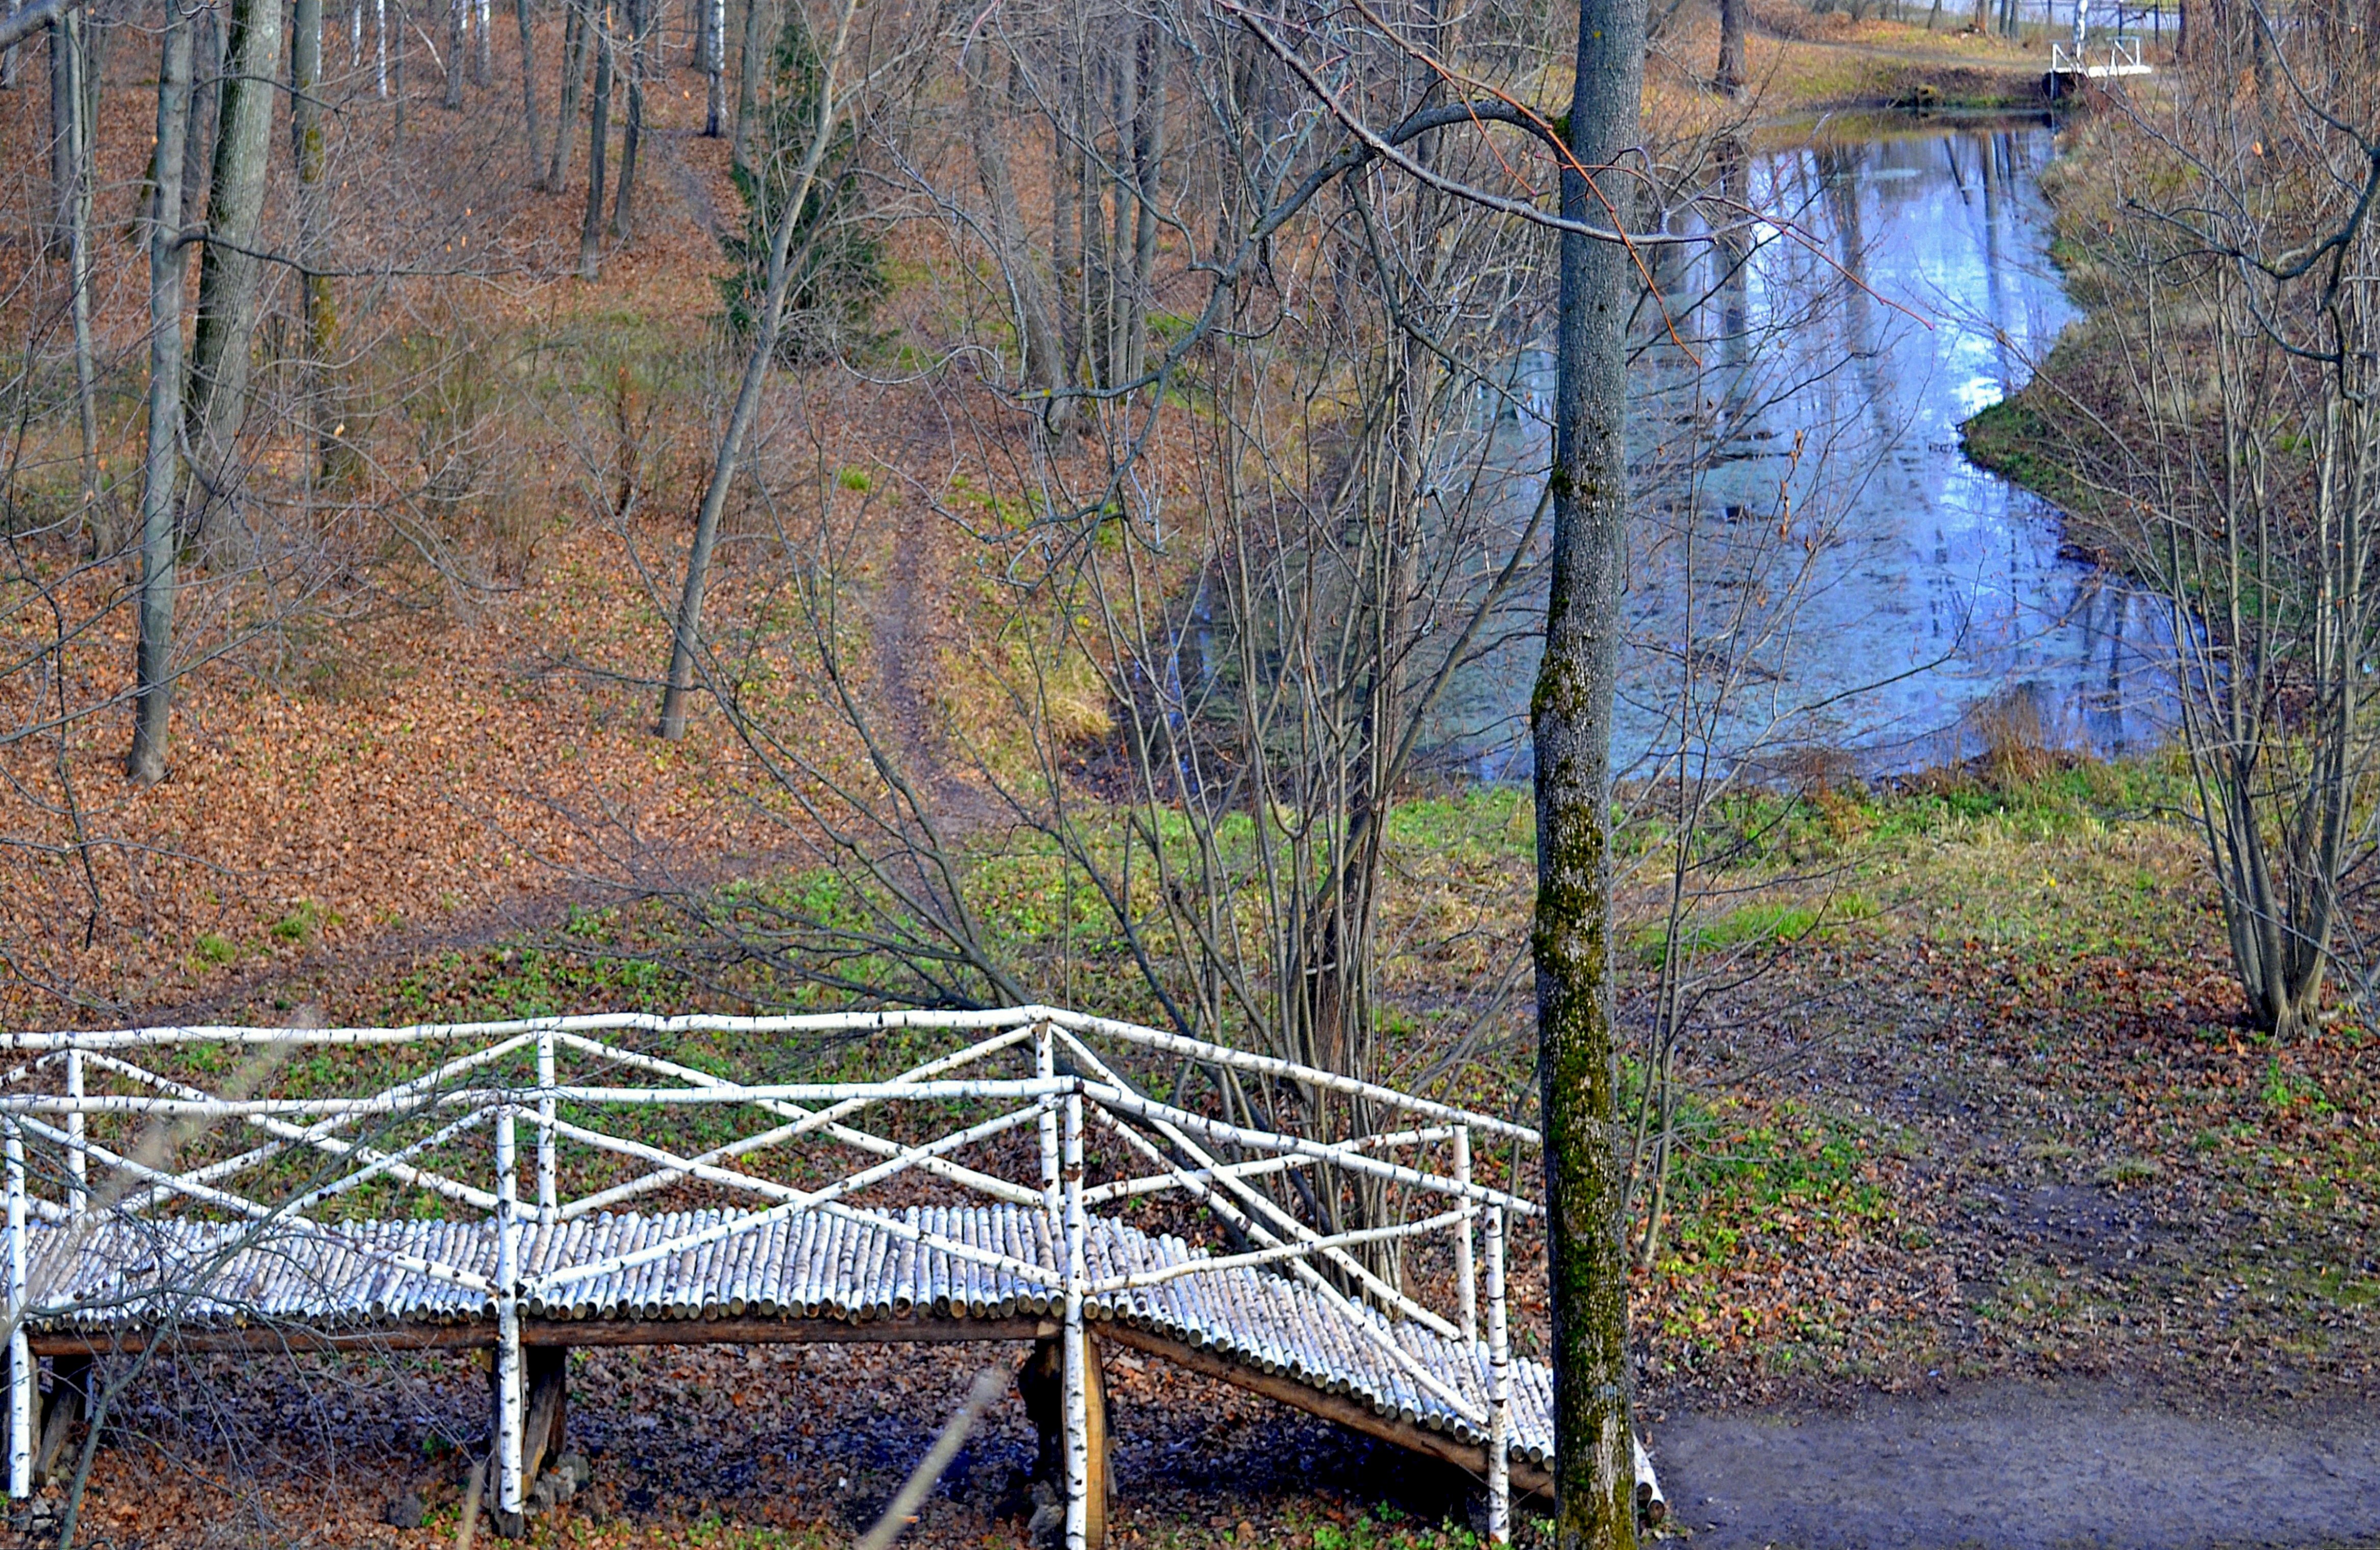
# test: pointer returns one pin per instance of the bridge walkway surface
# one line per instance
(328, 1207)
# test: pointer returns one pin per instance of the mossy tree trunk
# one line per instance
(1570, 720)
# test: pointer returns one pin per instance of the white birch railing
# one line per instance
(2100, 61)
(104, 1128)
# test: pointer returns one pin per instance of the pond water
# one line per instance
(1816, 571)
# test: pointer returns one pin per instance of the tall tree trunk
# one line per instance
(751, 59)
(1041, 365)
(401, 36)
(686, 634)
(479, 42)
(229, 273)
(65, 160)
(70, 75)
(1729, 78)
(321, 318)
(161, 472)
(455, 16)
(640, 14)
(528, 93)
(574, 71)
(1154, 63)
(714, 65)
(1065, 202)
(206, 93)
(1571, 719)
(599, 131)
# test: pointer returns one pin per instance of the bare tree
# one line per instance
(714, 65)
(2232, 453)
(231, 268)
(575, 37)
(598, 20)
(641, 19)
(751, 59)
(841, 90)
(528, 91)
(319, 311)
(162, 470)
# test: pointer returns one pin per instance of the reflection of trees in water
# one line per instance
(1814, 561)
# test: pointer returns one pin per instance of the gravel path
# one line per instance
(2024, 1464)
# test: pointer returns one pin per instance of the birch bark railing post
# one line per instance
(509, 1485)
(1500, 1389)
(21, 1375)
(1466, 1282)
(1045, 1067)
(548, 1174)
(77, 1165)
(1077, 1350)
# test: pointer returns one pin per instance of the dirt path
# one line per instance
(692, 192)
(2024, 1464)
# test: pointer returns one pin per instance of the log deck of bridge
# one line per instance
(123, 1252)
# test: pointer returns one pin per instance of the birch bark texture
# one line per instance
(161, 470)
(1571, 714)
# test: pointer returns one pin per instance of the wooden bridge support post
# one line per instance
(544, 1410)
(69, 1402)
(23, 1373)
(1500, 1389)
(508, 1449)
(549, 1404)
(1041, 1383)
(1077, 1347)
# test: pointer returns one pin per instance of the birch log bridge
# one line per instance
(252, 1188)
